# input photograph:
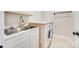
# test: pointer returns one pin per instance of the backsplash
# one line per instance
(13, 20)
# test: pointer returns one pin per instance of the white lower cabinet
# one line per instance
(34, 38)
(23, 44)
(18, 40)
(26, 39)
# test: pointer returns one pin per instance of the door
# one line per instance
(75, 15)
(1, 28)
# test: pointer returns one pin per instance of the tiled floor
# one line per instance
(62, 43)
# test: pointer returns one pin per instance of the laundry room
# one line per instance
(38, 29)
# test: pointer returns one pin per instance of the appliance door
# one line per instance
(48, 34)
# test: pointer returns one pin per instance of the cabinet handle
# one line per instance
(1, 46)
(76, 33)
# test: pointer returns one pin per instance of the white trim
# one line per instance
(60, 36)
(66, 38)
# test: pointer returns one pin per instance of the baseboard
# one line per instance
(66, 38)
(60, 36)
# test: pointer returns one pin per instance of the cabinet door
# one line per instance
(25, 40)
(34, 41)
(23, 44)
(18, 41)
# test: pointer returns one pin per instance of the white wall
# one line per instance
(13, 20)
(48, 15)
(62, 23)
(1, 27)
(36, 15)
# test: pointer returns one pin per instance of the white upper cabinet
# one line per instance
(23, 13)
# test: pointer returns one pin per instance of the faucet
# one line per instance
(21, 22)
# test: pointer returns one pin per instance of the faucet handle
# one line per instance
(11, 27)
(21, 17)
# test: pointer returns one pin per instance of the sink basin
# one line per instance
(9, 32)
(27, 27)
(16, 30)
(24, 28)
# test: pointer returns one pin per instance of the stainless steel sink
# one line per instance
(15, 30)
(24, 28)
(9, 32)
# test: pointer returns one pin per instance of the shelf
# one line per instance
(18, 13)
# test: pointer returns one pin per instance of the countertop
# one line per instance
(12, 35)
(15, 34)
(37, 22)
(41, 22)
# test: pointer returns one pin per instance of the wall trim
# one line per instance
(66, 38)
(60, 36)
